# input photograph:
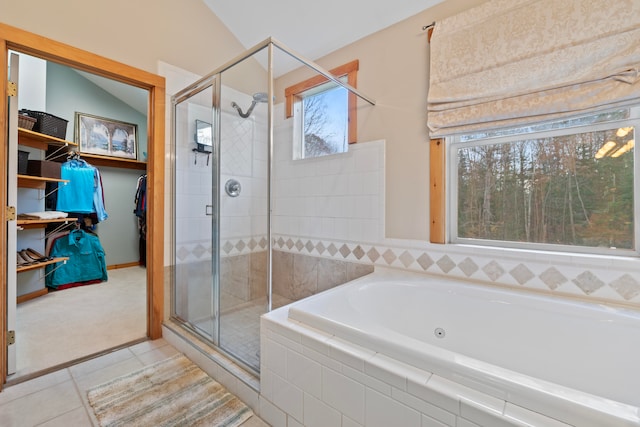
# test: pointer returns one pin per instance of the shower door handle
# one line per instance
(208, 210)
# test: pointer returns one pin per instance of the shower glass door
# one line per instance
(222, 198)
(221, 230)
(194, 230)
(243, 209)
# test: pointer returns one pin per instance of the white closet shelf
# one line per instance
(30, 181)
(38, 223)
(98, 160)
(40, 264)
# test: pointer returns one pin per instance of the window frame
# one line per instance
(444, 204)
(293, 94)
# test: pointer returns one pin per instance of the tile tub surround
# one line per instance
(297, 276)
(590, 277)
(243, 278)
(605, 279)
(311, 378)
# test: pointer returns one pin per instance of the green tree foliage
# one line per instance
(548, 190)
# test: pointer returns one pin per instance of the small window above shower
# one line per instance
(324, 114)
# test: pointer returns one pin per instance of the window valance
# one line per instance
(514, 62)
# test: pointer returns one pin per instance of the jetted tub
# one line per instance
(574, 361)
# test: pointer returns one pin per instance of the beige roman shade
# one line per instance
(512, 62)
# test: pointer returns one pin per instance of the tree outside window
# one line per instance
(324, 123)
(572, 188)
(324, 113)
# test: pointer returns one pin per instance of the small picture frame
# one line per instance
(106, 137)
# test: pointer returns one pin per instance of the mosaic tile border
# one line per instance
(201, 250)
(600, 283)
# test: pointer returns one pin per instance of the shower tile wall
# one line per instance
(242, 278)
(333, 197)
(297, 276)
(243, 150)
(236, 146)
(243, 229)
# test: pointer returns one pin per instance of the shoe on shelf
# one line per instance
(22, 261)
(28, 257)
(37, 255)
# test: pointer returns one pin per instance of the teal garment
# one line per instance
(86, 260)
(77, 194)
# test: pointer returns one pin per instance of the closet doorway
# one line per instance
(150, 308)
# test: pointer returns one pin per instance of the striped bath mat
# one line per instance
(173, 392)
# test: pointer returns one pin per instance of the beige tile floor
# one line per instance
(74, 323)
(59, 398)
(240, 329)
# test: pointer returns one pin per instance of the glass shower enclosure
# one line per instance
(222, 165)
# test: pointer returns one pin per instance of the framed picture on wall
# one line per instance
(106, 137)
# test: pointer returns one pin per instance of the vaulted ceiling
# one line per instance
(312, 28)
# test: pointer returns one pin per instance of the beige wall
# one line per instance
(394, 66)
(139, 33)
(393, 70)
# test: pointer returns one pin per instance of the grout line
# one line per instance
(85, 401)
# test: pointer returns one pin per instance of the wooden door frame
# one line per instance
(18, 40)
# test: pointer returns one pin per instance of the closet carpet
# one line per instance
(73, 323)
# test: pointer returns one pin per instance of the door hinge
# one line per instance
(11, 213)
(11, 337)
(12, 88)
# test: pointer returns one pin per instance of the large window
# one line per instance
(562, 185)
(324, 114)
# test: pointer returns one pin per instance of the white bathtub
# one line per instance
(572, 361)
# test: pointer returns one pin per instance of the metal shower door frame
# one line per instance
(211, 81)
(214, 78)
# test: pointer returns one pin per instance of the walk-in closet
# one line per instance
(78, 186)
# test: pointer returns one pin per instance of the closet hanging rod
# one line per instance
(64, 261)
(60, 227)
(52, 191)
(51, 156)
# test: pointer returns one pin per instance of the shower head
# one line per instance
(257, 97)
(261, 97)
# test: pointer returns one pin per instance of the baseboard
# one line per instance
(32, 295)
(126, 265)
